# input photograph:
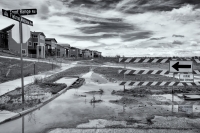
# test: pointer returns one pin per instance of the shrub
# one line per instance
(37, 80)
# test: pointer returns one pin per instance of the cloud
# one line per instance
(125, 27)
(177, 42)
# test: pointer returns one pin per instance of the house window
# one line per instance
(35, 36)
(29, 43)
(35, 43)
(23, 51)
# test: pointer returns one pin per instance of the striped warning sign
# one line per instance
(170, 103)
(155, 83)
(149, 60)
(158, 72)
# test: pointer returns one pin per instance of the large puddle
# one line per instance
(73, 109)
(70, 109)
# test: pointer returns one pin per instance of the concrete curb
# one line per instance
(36, 107)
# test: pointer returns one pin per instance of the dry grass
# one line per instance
(15, 71)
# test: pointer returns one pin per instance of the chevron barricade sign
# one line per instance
(158, 72)
(171, 102)
(149, 83)
(149, 60)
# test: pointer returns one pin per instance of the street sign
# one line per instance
(181, 66)
(16, 17)
(186, 77)
(185, 109)
(24, 11)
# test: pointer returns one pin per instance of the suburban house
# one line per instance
(12, 41)
(67, 49)
(3, 39)
(50, 46)
(36, 45)
(88, 53)
(61, 51)
(97, 54)
(75, 52)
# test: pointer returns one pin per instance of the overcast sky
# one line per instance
(123, 27)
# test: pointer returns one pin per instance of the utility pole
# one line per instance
(124, 76)
(22, 75)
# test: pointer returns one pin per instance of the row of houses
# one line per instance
(39, 46)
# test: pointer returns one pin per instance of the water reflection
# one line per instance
(69, 110)
(22, 124)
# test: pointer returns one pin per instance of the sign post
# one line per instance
(22, 75)
(16, 15)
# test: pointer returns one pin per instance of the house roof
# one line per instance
(49, 39)
(97, 51)
(86, 50)
(74, 48)
(60, 45)
(8, 28)
(37, 33)
(65, 45)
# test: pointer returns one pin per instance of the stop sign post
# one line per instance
(16, 15)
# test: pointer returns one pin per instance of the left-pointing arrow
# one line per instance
(177, 66)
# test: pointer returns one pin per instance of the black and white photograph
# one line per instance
(99, 66)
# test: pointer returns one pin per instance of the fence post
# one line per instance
(34, 68)
(173, 95)
(124, 76)
(52, 65)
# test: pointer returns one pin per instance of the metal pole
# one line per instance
(22, 76)
(173, 95)
(34, 68)
(124, 76)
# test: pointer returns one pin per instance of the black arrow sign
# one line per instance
(177, 66)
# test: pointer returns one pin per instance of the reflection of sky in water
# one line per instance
(167, 97)
(67, 109)
(70, 110)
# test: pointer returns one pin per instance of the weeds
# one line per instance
(38, 80)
